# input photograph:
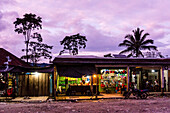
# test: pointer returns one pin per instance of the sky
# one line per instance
(104, 23)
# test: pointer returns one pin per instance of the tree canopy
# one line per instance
(136, 42)
(26, 25)
(33, 40)
(73, 43)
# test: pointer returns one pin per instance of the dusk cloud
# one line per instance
(104, 23)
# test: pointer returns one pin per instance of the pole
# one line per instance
(162, 80)
(96, 85)
(54, 85)
(127, 78)
(92, 85)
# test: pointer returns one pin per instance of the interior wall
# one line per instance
(166, 79)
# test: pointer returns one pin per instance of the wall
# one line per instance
(32, 85)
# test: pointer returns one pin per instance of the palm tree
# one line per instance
(137, 42)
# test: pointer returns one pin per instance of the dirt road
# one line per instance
(154, 105)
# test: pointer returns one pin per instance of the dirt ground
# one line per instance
(152, 105)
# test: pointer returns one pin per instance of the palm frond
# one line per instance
(126, 43)
(149, 47)
(130, 37)
(140, 32)
(126, 50)
(137, 34)
(140, 53)
(130, 55)
(144, 37)
(149, 41)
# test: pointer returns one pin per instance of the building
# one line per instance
(18, 78)
(82, 75)
(111, 75)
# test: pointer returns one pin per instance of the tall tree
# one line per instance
(25, 26)
(73, 43)
(137, 42)
(37, 49)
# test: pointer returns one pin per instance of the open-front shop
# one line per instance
(149, 78)
(110, 75)
(113, 80)
(84, 85)
(76, 79)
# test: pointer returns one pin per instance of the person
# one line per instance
(156, 85)
(131, 85)
(102, 85)
(147, 84)
(83, 81)
(2, 84)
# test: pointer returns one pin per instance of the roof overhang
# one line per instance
(113, 61)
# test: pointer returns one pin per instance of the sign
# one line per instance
(10, 78)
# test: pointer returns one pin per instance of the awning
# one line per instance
(76, 70)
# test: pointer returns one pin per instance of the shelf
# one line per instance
(105, 79)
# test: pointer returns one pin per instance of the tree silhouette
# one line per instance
(37, 49)
(26, 25)
(153, 54)
(73, 43)
(137, 42)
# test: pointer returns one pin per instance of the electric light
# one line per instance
(36, 74)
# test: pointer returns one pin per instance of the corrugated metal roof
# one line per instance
(111, 60)
(77, 56)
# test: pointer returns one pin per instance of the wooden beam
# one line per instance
(55, 80)
(162, 80)
(128, 74)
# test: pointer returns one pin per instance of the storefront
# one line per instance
(146, 78)
(21, 81)
(111, 75)
(8, 85)
(75, 86)
(76, 79)
(113, 80)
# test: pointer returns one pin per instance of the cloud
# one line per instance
(2, 24)
(104, 23)
(4, 2)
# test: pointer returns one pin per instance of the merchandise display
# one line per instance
(113, 80)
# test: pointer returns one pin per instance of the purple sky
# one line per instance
(103, 22)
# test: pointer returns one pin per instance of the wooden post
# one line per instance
(162, 80)
(96, 84)
(54, 80)
(51, 84)
(92, 85)
(127, 78)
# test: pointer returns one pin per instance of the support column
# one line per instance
(54, 82)
(162, 80)
(97, 76)
(92, 84)
(51, 84)
(127, 78)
